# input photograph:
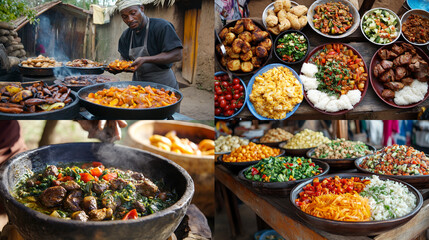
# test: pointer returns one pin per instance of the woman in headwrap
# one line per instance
(152, 43)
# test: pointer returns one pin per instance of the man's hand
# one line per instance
(104, 130)
(138, 62)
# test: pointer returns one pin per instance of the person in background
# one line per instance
(152, 43)
(40, 49)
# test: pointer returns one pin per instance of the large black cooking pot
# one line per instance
(35, 225)
(70, 111)
(83, 70)
(38, 71)
(104, 112)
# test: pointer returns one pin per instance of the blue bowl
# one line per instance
(245, 99)
(418, 4)
(268, 233)
(250, 87)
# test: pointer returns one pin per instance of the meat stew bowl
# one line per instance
(32, 224)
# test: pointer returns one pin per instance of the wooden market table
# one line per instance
(279, 214)
(371, 106)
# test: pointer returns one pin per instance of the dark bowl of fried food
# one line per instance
(77, 82)
(38, 101)
(248, 46)
(33, 224)
(83, 66)
(110, 110)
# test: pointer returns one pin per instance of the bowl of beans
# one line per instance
(248, 155)
(415, 27)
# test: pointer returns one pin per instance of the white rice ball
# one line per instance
(323, 101)
(309, 69)
(411, 94)
(314, 95)
(333, 106)
(309, 82)
(354, 96)
(345, 103)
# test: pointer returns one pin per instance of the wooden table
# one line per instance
(371, 107)
(278, 213)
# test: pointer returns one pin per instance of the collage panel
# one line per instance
(321, 179)
(306, 59)
(110, 59)
(145, 179)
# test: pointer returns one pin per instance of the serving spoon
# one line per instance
(223, 50)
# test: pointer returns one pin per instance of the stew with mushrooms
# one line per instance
(93, 192)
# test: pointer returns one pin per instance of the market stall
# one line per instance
(275, 188)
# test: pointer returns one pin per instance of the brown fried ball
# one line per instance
(249, 25)
(274, 30)
(237, 44)
(238, 27)
(257, 62)
(246, 47)
(234, 65)
(232, 54)
(229, 38)
(224, 61)
(246, 66)
(246, 56)
(261, 52)
(245, 36)
(259, 36)
(223, 33)
(266, 44)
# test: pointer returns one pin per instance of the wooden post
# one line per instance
(93, 54)
(340, 128)
(85, 36)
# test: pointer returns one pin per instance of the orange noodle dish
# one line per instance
(356, 199)
(135, 97)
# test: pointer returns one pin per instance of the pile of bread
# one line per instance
(41, 62)
(283, 17)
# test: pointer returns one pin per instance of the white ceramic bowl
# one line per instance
(271, 7)
(398, 25)
(420, 12)
(353, 11)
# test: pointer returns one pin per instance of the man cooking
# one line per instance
(152, 43)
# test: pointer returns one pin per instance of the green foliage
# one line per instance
(13, 9)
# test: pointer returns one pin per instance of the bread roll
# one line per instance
(271, 21)
(293, 19)
(299, 10)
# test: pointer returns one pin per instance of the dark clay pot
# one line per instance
(35, 225)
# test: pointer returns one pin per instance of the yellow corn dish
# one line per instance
(306, 139)
(275, 93)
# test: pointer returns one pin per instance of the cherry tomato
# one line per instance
(216, 103)
(236, 81)
(220, 98)
(233, 105)
(217, 83)
(236, 87)
(228, 97)
(236, 96)
(229, 112)
(227, 107)
(241, 88)
(216, 97)
(218, 78)
(225, 84)
(218, 91)
(241, 94)
(239, 105)
(225, 77)
(218, 111)
(222, 104)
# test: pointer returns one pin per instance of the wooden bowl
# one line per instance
(368, 228)
(418, 181)
(338, 164)
(279, 188)
(201, 168)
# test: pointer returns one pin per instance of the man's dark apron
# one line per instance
(150, 72)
